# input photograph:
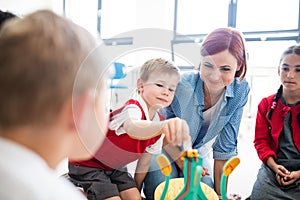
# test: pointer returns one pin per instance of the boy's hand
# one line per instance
(176, 131)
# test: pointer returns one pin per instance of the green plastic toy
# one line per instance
(166, 169)
(228, 168)
(192, 189)
(192, 173)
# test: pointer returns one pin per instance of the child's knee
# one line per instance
(131, 194)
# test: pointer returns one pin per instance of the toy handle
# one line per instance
(228, 168)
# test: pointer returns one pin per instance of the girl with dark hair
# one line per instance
(211, 99)
(277, 134)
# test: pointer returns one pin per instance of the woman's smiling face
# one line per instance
(218, 70)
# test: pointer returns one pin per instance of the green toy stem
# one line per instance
(192, 174)
(163, 195)
(223, 186)
(228, 168)
(185, 172)
(197, 184)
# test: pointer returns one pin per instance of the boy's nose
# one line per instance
(165, 91)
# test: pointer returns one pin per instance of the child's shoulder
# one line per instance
(267, 101)
(127, 103)
(132, 101)
(269, 98)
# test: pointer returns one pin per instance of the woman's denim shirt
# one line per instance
(188, 104)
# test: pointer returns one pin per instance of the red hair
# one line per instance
(230, 39)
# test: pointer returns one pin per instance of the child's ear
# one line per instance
(67, 115)
(140, 85)
(78, 109)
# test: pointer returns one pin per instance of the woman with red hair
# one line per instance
(211, 100)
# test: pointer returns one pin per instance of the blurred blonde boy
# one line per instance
(51, 104)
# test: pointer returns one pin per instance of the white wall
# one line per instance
(22, 7)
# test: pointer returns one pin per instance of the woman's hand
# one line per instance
(205, 171)
(179, 163)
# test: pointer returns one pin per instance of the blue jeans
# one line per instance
(155, 176)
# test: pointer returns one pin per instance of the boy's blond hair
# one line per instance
(160, 66)
(40, 57)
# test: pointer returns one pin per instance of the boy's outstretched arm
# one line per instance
(176, 130)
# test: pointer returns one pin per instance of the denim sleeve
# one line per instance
(226, 144)
(167, 112)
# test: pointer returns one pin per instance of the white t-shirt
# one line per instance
(134, 112)
(24, 175)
